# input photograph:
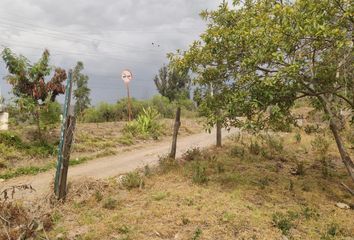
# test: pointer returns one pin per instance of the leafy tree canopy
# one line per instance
(172, 83)
(263, 55)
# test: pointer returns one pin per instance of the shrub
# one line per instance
(110, 203)
(309, 129)
(297, 137)
(132, 180)
(50, 115)
(199, 175)
(273, 142)
(284, 222)
(255, 148)
(320, 144)
(192, 154)
(237, 151)
(146, 125)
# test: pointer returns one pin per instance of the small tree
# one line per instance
(82, 91)
(31, 90)
(172, 84)
(273, 53)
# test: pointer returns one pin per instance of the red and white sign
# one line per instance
(127, 76)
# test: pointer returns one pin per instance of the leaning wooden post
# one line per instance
(68, 139)
(59, 180)
(175, 133)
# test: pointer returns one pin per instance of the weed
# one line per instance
(124, 229)
(166, 163)
(197, 234)
(192, 154)
(273, 142)
(110, 203)
(185, 220)
(297, 137)
(147, 170)
(320, 144)
(237, 151)
(159, 196)
(199, 173)
(126, 139)
(146, 125)
(98, 196)
(326, 167)
(227, 217)
(77, 161)
(263, 182)
(283, 221)
(300, 168)
(132, 180)
(220, 168)
(310, 213)
(309, 129)
(332, 231)
(255, 148)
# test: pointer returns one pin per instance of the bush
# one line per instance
(320, 144)
(284, 222)
(146, 125)
(105, 112)
(192, 154)
(132, 180)
(50, 115)
(199, 173)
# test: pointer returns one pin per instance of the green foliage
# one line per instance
(320, 144)
(311, 128)
(298, 137)
(146, 125)
(81, 92)
(262, 56)
(50, 115)
(199, 175)
(172, 83)
(132, 180)
(14, 143)
(32, 93)
(105, 112)
(197, 234)
(284, 221)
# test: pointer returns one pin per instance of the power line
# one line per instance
(61, 52)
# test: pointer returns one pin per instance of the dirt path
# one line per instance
(113, 165)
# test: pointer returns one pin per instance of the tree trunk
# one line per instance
(218, 134)
(175, 133)
(38, 122)
(343, 153)
(340, 145)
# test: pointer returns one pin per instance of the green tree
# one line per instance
(31, 90)
(172, 84)
(265, 55)
(82, 91)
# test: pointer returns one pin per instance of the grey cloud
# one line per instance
(107, 36)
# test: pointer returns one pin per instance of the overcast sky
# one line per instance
(107, 35)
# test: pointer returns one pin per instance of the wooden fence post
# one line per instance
(175, 133)
(66, 135)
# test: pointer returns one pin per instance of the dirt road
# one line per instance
(113, 165)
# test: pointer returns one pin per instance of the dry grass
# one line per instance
(92, 140)
(244, 196)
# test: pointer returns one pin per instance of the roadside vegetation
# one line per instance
(269, 184)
